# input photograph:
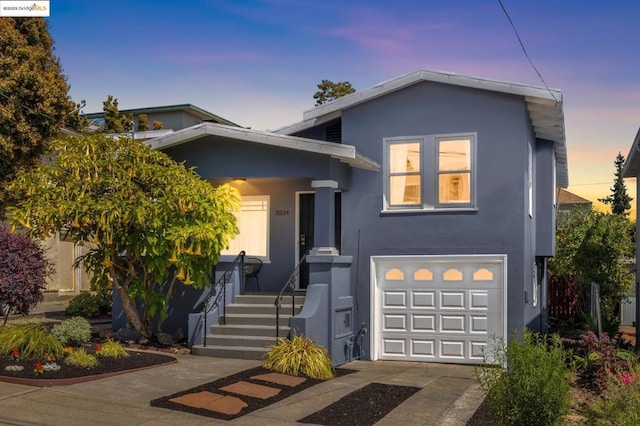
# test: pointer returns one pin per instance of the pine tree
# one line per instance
(114, 122)
(328, 91)
(143, 122)
(619, 200)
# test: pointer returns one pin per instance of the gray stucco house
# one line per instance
(426, 205)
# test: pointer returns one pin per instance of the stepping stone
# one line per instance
(251, 389)
(280, 379)
(229, 405)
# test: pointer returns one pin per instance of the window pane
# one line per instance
(404, 157)
(454, 188)
(454, 155)
(404, 190)
(253, 222)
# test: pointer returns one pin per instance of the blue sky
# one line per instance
(257, 63)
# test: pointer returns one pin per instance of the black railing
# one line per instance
(289, 284)
(220, 292)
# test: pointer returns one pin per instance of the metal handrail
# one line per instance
(221, 282)
(290, 283)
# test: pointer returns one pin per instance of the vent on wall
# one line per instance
(333, 133)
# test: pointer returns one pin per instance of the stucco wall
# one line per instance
(499, 225)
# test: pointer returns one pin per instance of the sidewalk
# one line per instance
(448, 396)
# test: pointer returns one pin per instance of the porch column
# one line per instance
(324, 217)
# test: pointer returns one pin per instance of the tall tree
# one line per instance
(619, 200)
(33, 94)
(151, 222)
(328, 91)
(114, 121)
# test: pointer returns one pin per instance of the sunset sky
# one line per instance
(257, 63)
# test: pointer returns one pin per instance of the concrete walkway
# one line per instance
(448, 394)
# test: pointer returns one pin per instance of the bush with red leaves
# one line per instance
(23, 270)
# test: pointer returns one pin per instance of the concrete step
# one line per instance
(269, 299)
(244, 341)
(256, 319)
(255, 308)
(243, 330)
(234, 352)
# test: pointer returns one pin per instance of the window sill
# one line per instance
(429, 211)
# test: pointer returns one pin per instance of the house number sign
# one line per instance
(282, 212)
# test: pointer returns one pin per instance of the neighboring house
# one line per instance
(173, 117)
(67, 281)
(631, 169)
(426, 204)
(568, 202)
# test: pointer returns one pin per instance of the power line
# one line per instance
(525, 50)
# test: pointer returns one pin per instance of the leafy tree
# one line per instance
(157, 125)
(328, 91)
(591, 247)
(33, 94)
(76, 120)
(23, 271)
(619, 200)
(143, 122)
(150, 221)
(114, 122)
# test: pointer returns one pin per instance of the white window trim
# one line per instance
(530, 179)
(265, 259)
(429, 174)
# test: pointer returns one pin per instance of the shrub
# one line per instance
(599, 358)
(31, 341)
(23, 271)
(74, 331)
(89, 305)
(300, 355)
(80, 358)
(619, 404)
(112, 349)
(534, 387)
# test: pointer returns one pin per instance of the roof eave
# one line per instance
(631, 168)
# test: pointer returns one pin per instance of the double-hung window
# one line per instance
(433, 172)
(253, 222)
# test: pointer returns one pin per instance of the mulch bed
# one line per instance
(106, 366)
(253, 403)
(362, 407)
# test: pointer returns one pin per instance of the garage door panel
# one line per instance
(423, 323)
(452, 299)
(395, 299)
(394, 322)
(438, 308)
(423, 299)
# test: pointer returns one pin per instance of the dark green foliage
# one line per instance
(33, 94)
(23, 271)
(534, 387)
(619, 200)
(89, 305)
(592, 247)
(328, 91)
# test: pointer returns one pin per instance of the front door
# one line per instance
(305, 230)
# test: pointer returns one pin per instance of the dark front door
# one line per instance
(306, 211)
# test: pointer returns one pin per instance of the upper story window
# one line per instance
(429, 172)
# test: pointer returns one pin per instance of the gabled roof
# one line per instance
(566, 197)
(544, 105)
(345, 153)
(202, 114)
(631, 168)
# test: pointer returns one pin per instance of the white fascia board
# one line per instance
(539, 94)
(342, 152)
(631, 168)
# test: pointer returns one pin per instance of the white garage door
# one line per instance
(437, 308)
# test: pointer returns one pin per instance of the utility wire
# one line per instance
(525, 50)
